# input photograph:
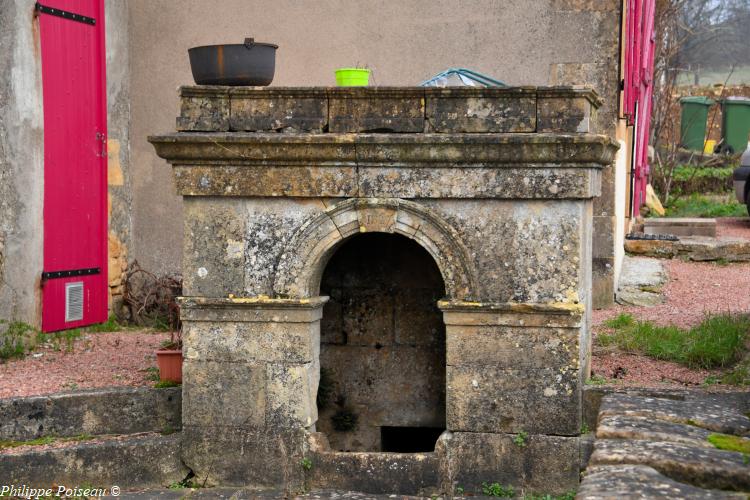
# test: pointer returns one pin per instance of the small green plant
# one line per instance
(585, 428)
(739, 375)
(111, 325)
(152, 373)
(163, 384)
(459, 490)
(566, 496)
(17, 339)
(520, 439)
(596, 380)
(306, 463)
(498, 490)
(730, 443)
(167, 430)
(344, 420)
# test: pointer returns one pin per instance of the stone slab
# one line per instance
(381, 109)
(128, 463)
(706, 414)
(546, 464)
(619, 427)
(680, 226)
(627, 482)
(121, 410)
(702, 467)
(695, 248)
(278, 109)
(480, 110)
(641, 282)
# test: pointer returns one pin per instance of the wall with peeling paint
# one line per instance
(118, 144)
(21, 162)
(523, 42)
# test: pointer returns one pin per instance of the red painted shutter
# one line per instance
(74, 283)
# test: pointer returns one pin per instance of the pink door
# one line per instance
(74, 281)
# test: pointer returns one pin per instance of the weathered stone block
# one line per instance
(544, 464)
(269, 341)
(519, 347)
(566, 110)
(486, 398)
(470, 110)
(290, 395)
(204, 109)
(640, 481)
(380, 109)
(241, 456)
(375, 473)
(228, 394)
(278, 109)
(214, 248)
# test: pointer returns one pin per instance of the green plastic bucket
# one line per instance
(352, 77)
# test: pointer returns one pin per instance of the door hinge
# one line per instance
(103, 145)
(64, 14)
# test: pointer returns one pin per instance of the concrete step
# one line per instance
(127, 462)
(111, 410)
(680, 226)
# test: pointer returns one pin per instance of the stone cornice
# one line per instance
(545, 150)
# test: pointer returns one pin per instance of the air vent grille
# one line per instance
(73, 301)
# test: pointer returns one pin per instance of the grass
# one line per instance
(697, 205)
(44, 440)
(717, 342)
(111, 325)
(730, 443)
(163, 384)
(567, 496)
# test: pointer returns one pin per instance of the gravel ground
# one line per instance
(738, 227)
(692, 290)
(97, 360)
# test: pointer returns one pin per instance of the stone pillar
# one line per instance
(250, 379)
(513, 393)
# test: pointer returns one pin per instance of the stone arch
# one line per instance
(305, 256)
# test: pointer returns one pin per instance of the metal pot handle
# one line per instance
(249, 43)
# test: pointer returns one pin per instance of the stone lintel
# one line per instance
(556, 315)
(252, 309)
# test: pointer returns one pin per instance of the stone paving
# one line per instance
(650, 447)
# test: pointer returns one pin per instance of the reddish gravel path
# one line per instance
(692, 290)
(738, 227)
(97, 360)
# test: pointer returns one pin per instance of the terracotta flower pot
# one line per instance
(170, 365)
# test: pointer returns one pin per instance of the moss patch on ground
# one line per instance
(730, 443)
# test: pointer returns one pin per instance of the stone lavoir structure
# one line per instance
(386, 289)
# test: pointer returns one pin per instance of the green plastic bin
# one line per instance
(693, 121)
(735, 123)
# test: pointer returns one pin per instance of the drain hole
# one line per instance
(409, 439)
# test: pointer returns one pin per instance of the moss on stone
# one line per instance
(730, 443)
